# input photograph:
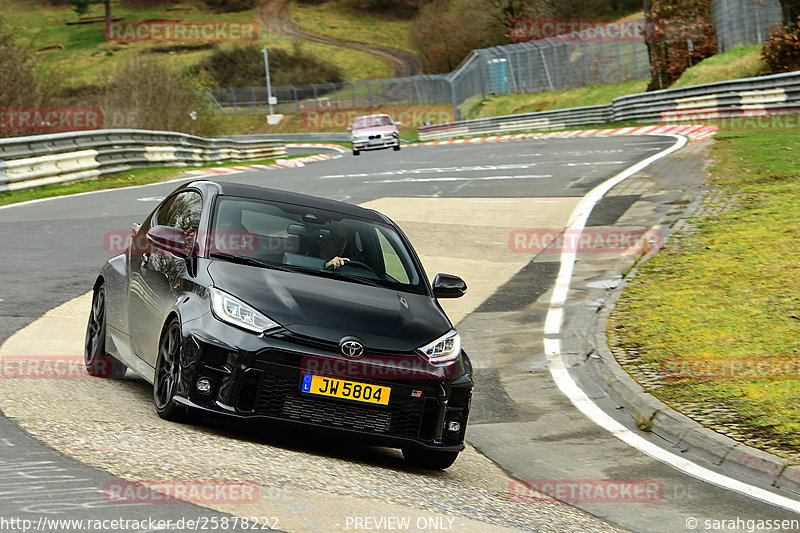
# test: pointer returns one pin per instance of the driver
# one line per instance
(331, 249)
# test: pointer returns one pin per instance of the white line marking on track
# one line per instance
(454, 178)
(578, 397)
(434, 170)
(593, 163)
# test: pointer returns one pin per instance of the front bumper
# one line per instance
(259, 377)
(377, 143)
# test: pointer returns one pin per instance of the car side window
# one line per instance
(391, 260)
(182, 211)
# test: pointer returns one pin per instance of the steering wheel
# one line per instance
(357, 264)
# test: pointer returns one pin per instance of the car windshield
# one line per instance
(303, 239)
(375, 121)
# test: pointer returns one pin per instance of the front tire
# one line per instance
(430, 459)
(98, 363)
(396, 147)
(167, 374)
(356, 152)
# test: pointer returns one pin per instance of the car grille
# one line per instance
(280, 397)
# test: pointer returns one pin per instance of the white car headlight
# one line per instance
(232, 310)
(444, 350)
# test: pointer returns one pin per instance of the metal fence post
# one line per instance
(619, 61)
(296, 101)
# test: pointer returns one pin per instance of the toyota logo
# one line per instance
(351, 348)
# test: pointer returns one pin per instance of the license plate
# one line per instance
(349, 390)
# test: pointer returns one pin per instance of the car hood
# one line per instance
(330, 309)
(377, 129)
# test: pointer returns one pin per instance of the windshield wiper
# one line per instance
(357, 279)
(244, 260)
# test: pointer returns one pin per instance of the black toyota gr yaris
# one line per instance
(257, 303)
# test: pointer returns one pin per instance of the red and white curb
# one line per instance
(280, 163)
(695, 133)
(334, 147)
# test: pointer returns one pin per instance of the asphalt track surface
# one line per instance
(520, 420)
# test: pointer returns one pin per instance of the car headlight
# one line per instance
(444, 350)
(234, 311)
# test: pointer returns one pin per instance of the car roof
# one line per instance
(314, 202)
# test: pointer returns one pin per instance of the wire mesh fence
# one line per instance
(588, 57)
(742, 22)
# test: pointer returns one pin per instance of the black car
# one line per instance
(264, 304)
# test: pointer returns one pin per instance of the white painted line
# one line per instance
(578, 397)
(454, 178)
(642, 143)
(435, 170)
(593, 163)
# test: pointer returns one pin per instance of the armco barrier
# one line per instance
(44, 159)
(764, 95)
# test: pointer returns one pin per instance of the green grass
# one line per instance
(726, 294)
(333, 20)
(137, 176)
(527, 103)
(742, 62)
(86, 58)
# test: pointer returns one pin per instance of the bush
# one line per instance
(147, 94)
(781, 52)
(20, 86)
(444, 33)
(244, 67)
(230, 6)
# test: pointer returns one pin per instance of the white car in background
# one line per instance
(374, 132)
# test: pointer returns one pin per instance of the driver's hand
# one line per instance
(336, 262)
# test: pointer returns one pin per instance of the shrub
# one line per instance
(781, 52)
(20, 85)
(147, 94)
(230, 6)
(244, 67)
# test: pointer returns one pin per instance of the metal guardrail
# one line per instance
(45, 159)
(321, 137)
(764, 95)
(539, 121)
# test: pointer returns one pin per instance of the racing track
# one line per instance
(458, 204)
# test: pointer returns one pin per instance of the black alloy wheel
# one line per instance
(168, 373)
(98, 363)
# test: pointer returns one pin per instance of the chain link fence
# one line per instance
(588, 57)
(743, 22)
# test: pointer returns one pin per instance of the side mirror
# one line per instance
(349, 128)
(398, 123)
(448, 286)
(168, 238)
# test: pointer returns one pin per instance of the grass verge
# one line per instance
(136, 176)
(716, 314)
(332, 20)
